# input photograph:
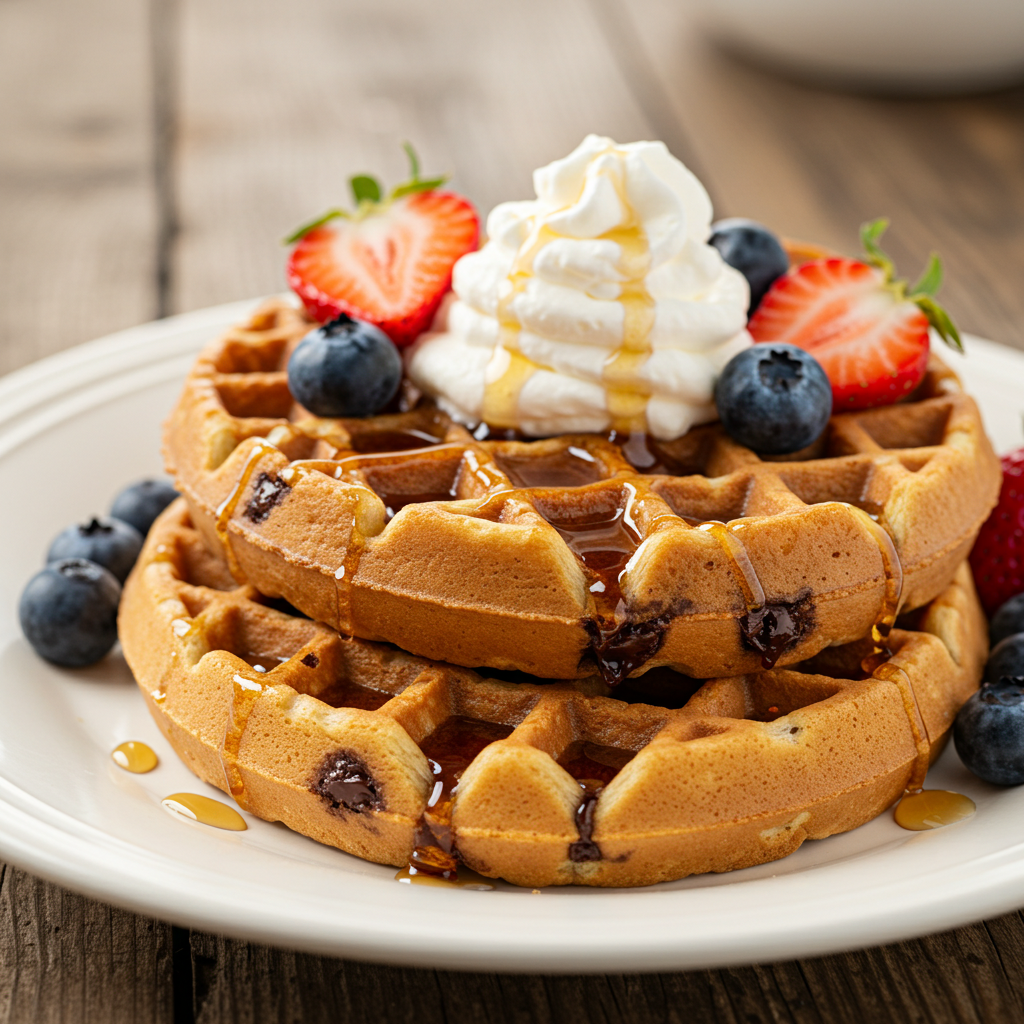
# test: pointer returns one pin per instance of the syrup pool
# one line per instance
(933, 808)
(134, 756)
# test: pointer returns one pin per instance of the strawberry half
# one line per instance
(390, 262)
(997, 558)
(868, 330)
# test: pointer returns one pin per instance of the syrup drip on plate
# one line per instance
(604, 542)
(205, 810)
(246, 693)
(449, 749)
(932, 808)
(464, 879)
(770, 628)
(134, 756)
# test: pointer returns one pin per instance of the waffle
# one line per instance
(347, 740)
(507, 554)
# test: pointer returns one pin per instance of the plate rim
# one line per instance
(49, 843)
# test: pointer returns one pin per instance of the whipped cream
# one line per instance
(598, 305)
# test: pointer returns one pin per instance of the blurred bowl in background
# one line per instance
(907, 46)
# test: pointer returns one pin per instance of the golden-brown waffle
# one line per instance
(507, 554)
(345, 740)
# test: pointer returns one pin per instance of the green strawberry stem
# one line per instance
(922, 294)
(367, 192)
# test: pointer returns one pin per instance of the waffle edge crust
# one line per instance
(742, 774)
(477, 567)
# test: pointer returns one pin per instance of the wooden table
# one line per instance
(152, 156)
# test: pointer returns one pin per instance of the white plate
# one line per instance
(77, 427)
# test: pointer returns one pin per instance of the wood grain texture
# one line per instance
(77, 214)
(957, 976)
(272, 125)
(816, 164)
(65, 958)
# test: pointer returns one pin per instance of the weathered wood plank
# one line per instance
(67, 958)
(815, 164)
(954, 977)
(282, 103)
(77, 213)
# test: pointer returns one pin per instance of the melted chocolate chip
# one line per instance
(621, 647)
(585, 849)
(268, 492)
(345, 783)
(311, 660)
(776, 627)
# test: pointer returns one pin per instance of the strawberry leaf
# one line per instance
(365, 189)
(870, 233)
(940, 320)
(931, 280)
(418, 186)
(319, 222)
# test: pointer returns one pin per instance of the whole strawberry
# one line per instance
(998, 556)
(868, 329)
(390, 261)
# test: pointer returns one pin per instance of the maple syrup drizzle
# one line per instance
(891, 599)
(449, 749)
(383, 441)
(227, 507)
(501, 391)
(932, 808)
(592, 764)
(343, 693)
(573, 467)
(627, 406)
(769, 627)
(134, 756)
(245, 694)
(605, 542)
(205, 810)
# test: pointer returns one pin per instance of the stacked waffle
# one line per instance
(339, 623)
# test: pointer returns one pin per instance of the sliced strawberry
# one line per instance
(997, 559)
(390, 266)
(869, 331)
(872, 345)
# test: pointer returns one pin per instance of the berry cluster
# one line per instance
(989, 731)
(68, 610)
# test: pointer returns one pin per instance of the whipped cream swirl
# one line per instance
(598, 305)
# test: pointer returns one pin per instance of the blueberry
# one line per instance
(69, 612)
(754, 251)
(1006, 659)
(345, 368)
(774, 399)
(989, 732)
(108, 542)
(140, 504)
(1009, 619)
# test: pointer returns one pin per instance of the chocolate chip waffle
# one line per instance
(576, 554)
(359, 745)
